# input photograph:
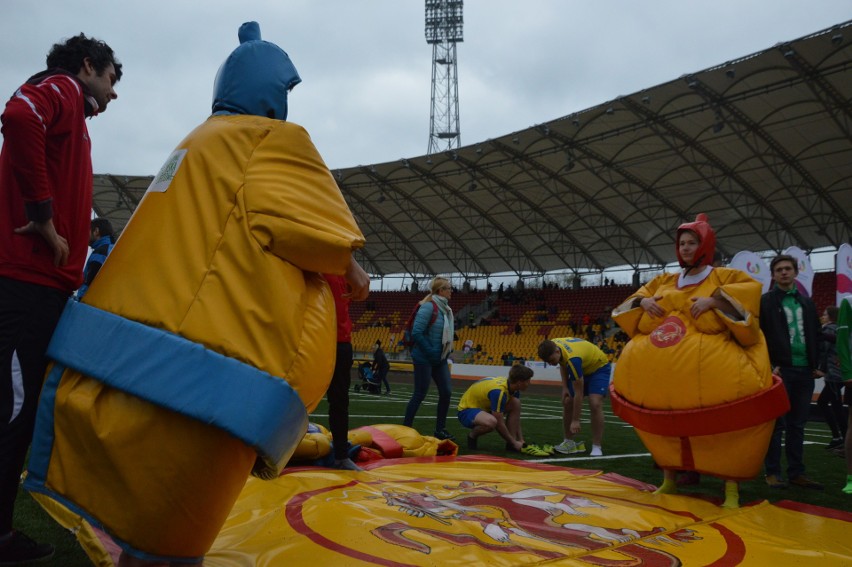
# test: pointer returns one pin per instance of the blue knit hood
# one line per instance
(255, 78)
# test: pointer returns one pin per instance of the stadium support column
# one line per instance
(443, 30)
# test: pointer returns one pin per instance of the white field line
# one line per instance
(567, 459)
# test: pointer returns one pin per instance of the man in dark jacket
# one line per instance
(789, 321)
(381, 366)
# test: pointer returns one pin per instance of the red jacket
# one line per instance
(45, 170)
(341, 304)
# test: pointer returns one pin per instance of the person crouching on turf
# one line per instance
(495, 403)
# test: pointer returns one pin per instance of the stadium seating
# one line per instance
(539, 313)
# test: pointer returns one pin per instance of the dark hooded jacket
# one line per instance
(773, 323)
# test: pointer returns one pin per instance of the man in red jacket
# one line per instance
(45, 211)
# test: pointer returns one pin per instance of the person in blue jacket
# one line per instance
(101, 241)
(433, 343)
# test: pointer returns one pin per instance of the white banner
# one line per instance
(805, 279)
(843, 268)
(753, 265)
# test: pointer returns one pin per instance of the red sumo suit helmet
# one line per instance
(706, 247)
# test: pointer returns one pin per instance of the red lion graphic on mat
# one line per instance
(531, 514)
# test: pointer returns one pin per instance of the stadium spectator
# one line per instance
(585, 371)
(433, 344)
(494, 403)
(789, 321)
(101, 240)
(381, 366)
(844, 358)
(830, 401)
(46, 186)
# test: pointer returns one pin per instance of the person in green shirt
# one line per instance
(790, 324)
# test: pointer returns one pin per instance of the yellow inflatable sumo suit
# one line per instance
(317, 444)
(698, 390)
(209, 332)
(395, 441)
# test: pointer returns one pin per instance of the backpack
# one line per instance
(407, 339)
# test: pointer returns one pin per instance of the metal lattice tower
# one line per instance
(443, 30)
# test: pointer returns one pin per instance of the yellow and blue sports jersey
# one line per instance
(488, 394)
(580, 357)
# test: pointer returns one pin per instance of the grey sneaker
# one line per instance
(570, 447)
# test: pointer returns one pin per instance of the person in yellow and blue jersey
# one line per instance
(494, 403)
(585, 372)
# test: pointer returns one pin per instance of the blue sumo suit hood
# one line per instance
(255, 78)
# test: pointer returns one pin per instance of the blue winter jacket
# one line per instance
(427, 339)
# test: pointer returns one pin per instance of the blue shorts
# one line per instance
(595, 383)
(467, 416)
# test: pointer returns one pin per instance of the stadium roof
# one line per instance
(762, 144)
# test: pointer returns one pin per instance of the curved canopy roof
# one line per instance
(761, 144)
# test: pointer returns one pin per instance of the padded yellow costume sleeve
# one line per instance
(282, 211)
(626, 316)
(739, 290)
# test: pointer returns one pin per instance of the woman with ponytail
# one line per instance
(432, 333)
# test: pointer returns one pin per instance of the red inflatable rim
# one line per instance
(744, 413)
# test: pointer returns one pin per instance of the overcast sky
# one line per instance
(366, 66)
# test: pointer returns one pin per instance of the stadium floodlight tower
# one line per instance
(443, 30)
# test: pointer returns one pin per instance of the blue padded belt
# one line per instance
(175, 373)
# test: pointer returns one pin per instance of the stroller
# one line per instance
(368, 379)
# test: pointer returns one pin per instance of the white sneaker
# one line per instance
(569, 447)
(596, 451)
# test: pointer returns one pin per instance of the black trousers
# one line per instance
(28, 316)
(338, 400)
(382, 377)
(830, 403)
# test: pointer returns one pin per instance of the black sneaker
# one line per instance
(804, 482)
(20, 549)
(834, 443)
(472, 443)
(346, 465)
(444, 434)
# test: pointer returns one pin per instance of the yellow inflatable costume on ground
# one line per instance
(387, 440)
(208, 334)
(699, 391)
